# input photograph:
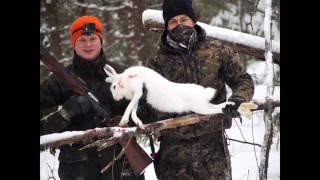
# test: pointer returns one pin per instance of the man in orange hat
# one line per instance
(78, 114)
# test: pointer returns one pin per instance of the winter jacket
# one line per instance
(55, 92)
(194, 149)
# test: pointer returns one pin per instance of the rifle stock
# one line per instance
(137, 157)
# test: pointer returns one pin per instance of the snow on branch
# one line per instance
(69, 137)
(238, 41)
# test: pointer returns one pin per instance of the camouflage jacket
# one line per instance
(218, 65)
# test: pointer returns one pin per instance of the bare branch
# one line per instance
(75, 136)
(107, 134)
(110, 135)
(245, 142)
(267, 104)
(51, 171)
(255, 7)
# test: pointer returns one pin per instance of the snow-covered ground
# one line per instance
(245, 157)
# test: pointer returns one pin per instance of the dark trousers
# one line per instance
(84, 170)
(90, 170)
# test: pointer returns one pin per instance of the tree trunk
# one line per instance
(139, 39)
(53, 23)
(268, 135)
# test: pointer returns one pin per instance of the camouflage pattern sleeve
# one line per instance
(236, 77)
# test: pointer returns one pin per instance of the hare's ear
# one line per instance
(109, 79)
(110, 71)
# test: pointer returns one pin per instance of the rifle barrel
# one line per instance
(76, 83)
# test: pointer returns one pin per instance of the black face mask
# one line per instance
(180, 35)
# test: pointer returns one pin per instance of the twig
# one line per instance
(109, 142)
(254, 148)
(45, 118)
(240, 131)
(118, 156)
(245, 142)
(255, 7)
(51, 171)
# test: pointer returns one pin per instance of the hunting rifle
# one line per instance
(137, 157)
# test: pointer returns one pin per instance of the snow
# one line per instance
(56, 136)
(49, 162)
(245, 157)
(229, 17)
(152, 14)
(117, 132)
(238, 37)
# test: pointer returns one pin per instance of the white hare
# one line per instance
(162, 94)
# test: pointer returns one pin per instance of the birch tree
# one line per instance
(267, 141)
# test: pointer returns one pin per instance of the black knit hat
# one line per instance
(173, 8)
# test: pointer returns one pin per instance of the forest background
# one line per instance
(125, 39)
(128, 43)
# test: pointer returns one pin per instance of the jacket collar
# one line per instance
(90, 69)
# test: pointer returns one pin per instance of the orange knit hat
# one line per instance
(76, 28)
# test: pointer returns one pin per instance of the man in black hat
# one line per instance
(186, 55)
